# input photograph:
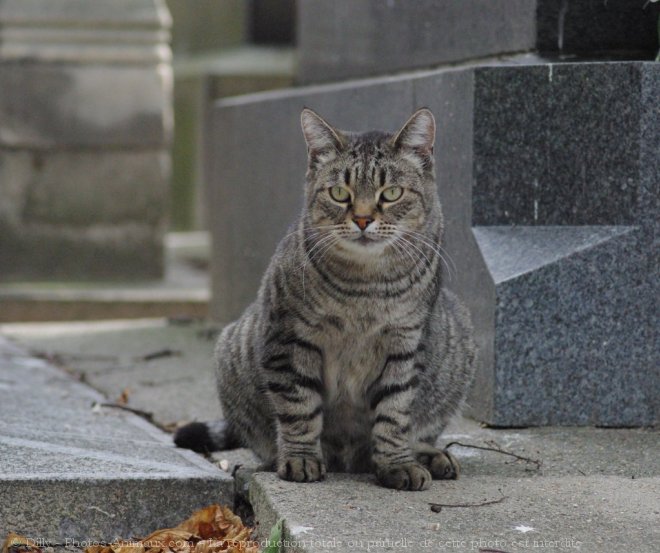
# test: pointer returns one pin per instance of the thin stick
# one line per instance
(158, 354)
(139, 412)
(437, 507)
(498, 449)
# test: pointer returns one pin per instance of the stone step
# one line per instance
(184, 291)
(73, 470)
(520, 142)
(359, 38)
(595, 490)
(349, 513)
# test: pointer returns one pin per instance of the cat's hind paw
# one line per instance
(411, 476)
(301, 469)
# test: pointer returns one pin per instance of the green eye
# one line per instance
(339, 194)
(392, 194)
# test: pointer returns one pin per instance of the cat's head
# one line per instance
(370, 190)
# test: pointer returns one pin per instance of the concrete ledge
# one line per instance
(592, 486)
(352, 513)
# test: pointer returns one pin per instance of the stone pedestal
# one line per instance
(85, 126)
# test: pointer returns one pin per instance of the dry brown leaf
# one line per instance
(214, 529)
(174, 539)
(16, 543)
(123, 397)
(215, 522)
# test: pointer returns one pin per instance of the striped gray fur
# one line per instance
(353, 356)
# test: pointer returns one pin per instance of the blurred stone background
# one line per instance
(102, 111)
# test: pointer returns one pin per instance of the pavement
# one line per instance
(596, 489)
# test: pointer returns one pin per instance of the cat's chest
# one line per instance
(351, 362)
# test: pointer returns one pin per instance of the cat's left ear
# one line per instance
(418, 133)
(320, 136)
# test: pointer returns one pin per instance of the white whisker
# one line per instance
(436, 249)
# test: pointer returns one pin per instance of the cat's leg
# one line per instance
(441, 464)
(391, 397)
(293, 368)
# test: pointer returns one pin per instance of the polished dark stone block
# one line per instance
(566, 176)
(571, 327)
(557, 144)
(590, 26)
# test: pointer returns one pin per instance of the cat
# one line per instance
(353, 356)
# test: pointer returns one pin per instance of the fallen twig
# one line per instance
(498, 449)
(437, 507)
(146, 415)
(159, 354)
(60, 357)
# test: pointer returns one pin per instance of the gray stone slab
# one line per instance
(85, 125)
(349, 38)
(567, 513)
(144, 14)
(511, 251)
(183, 292)
(82, 214)
(570, 27)
(74, 471)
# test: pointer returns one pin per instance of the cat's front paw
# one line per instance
(301, 469)
(411, 476)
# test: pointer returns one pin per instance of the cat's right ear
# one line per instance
(321, 138)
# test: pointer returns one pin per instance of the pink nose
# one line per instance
(362, 222)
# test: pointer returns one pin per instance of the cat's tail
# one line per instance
(204, 437)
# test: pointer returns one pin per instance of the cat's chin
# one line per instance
(363, 246)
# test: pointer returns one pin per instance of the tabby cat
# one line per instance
(353, 356)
